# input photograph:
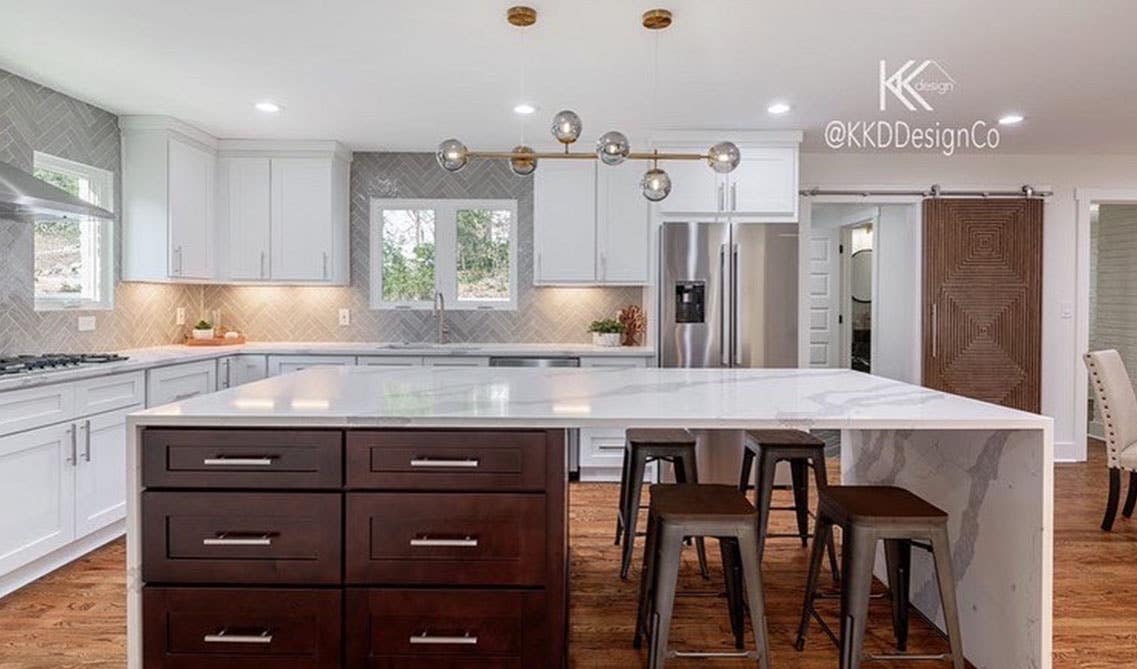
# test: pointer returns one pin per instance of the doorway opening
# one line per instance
(857, 279)
(1113, 291)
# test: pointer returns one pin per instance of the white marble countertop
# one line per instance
(159, 356)
(587, 397)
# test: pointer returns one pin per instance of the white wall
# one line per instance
(896, 326)
(1062, 370)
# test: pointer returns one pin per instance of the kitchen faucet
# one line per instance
(440, 314)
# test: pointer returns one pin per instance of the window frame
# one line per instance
(102, 184)
(445, 252)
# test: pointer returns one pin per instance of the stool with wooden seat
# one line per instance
(693, 510)
(867, 514)
(803, 451)
(643, 446)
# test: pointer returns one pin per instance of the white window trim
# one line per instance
(102, 185)
(445, 252)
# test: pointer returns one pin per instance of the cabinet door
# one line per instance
(283, 364)
(190, 210)
(100, 484)
(621, 224)
(695, 187)
(765, 183)
(180, 382)
(248, 219)
(564, 222)
(31, 407)
(302, 225)
(107, 393)
(37, 493)
(248, 368)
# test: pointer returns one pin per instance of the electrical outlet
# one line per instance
(345, 317)
(86, 324)
(180, 316)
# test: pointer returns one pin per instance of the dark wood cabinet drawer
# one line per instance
(236, 628)
(445, 538)
(446, 460)
(391, 628)
(242, 458)
(238, 537)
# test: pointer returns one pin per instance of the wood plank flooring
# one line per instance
(76, 616)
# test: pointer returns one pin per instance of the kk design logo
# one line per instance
(912, 81)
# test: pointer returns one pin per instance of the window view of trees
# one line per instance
(408, 255)
(58, 244)
(483, 254)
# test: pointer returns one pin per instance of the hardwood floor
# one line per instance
(76, 616)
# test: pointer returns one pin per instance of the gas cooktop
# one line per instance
(22, 364)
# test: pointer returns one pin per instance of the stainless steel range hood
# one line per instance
(22, 196)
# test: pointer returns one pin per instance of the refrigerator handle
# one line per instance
(724, 346)
(734, 357)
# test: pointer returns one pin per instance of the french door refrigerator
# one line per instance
(728, 294)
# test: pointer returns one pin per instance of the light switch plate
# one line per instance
(345, 317)
(180, 316)
(86, 324)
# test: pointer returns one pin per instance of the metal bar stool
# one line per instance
(803, 451)
(867, 514)
(642, 446)
(692, 510)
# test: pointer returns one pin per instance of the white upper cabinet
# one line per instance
(564, 222)
(302, 219)
(168, 200)
(763, 188)
(590, 224)
(622, 234)
(247, 192)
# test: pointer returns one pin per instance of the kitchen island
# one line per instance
(421, 513)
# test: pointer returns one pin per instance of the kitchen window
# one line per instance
(464, 249)
(74, 257)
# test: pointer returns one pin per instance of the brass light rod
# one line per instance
(552, 155)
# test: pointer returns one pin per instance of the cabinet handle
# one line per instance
(223, 636)
(538, 265)
(603, 265)
(178, 258)
(262, 264)
(734, 197)
(325, 264)
(238, 539)
(468, 463)
(466, 639)
(228, 373)
(184, 396)
(427, 542)
(224, 461)
(73, 460)
(722, 205)
(87, 440)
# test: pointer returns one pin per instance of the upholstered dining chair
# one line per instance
(1117, 405)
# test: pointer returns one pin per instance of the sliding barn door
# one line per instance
(983, 299)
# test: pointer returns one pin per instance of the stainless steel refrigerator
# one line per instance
(728, 294)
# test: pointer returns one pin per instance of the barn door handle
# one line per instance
(935, 330)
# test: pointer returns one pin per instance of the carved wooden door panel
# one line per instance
(983, 299)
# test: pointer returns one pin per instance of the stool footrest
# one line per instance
(748, 654)
(939, 657)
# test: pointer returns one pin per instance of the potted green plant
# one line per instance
(203, 330)
(606, 332)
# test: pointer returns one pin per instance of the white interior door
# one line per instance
(823, 297)
(100, 486)
(37, 494)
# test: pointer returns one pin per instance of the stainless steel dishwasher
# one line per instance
(573, 436)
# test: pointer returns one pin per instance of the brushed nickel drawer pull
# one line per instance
(237, 539)
(223, 636)
(426, 541)
(223, 461)
(466, 639)
(469, 463)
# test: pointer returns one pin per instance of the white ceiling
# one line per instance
(401, 75)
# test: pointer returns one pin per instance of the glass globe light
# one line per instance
(723, 157)
(522, 167)
(612, 148)
(656, 184)
(566, 126)
(452, 155)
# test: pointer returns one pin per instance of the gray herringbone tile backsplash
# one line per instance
(310, 314)
(37, 118)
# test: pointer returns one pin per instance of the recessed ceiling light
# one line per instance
(524, 108)
(778, 108)
(267, 106)
(1011, 119)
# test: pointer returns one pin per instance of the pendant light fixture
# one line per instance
(612, 148)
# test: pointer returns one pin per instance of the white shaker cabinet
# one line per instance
(622, 217)
(100, 470)
(246, 213)
(695, 187)
(284, 364)
(191, 191)
(37, 493)
(302, 220)
(237, 370)
(180, 382)
(564, 222)
(765, 183)
(602, 449)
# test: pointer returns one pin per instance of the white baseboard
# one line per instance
(18, 578)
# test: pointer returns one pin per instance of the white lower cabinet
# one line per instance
(389, 361)
(237, 370)
(602, 449)
(100, 471)
(283, 364)
(180, 382)
(37, 494)
(456, 361)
